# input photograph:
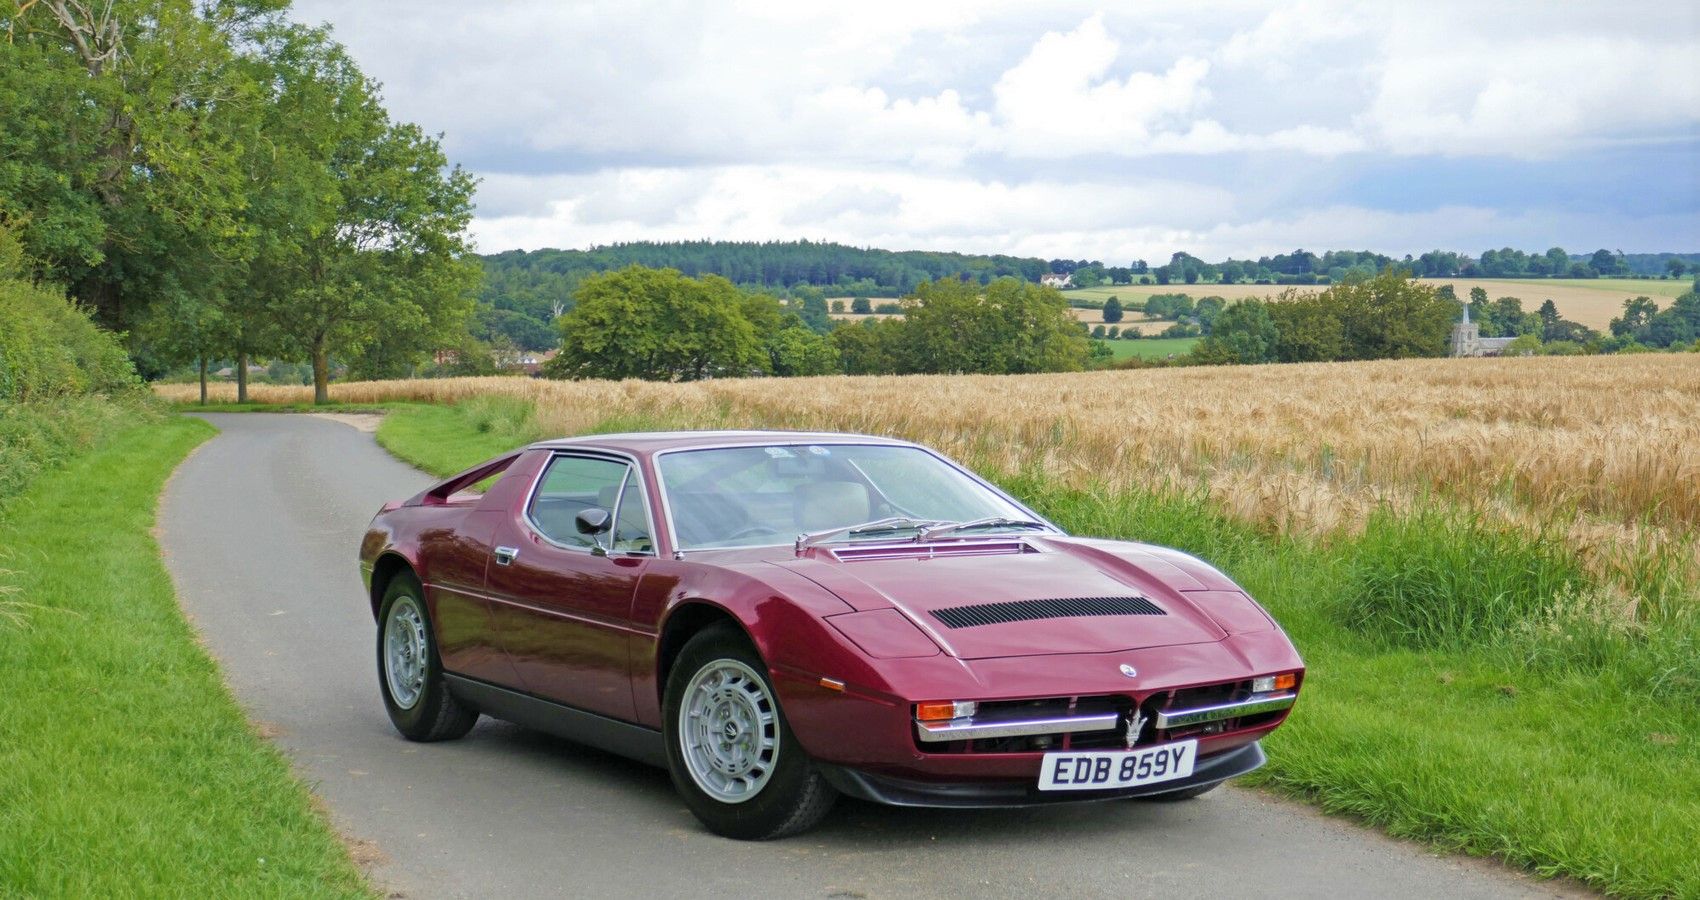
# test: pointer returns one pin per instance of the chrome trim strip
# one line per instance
(1260, 704)
(667, 511)
(618, 456)
(977, 728)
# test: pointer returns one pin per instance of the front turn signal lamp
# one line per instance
(1286, 681)
(941, 710)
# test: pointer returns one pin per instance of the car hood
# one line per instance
(922, 580)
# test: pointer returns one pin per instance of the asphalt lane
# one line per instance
(259, 529)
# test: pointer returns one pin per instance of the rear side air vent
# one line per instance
(1027, 610)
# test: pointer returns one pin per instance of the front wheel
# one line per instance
(730, 752)
(409, 673)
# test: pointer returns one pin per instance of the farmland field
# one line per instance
(1590, 301)
(1132, 320)
(1151, 348)
(1310, 447)
(1507, 546)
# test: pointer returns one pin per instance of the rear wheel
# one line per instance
(409, 672)
(729, 749)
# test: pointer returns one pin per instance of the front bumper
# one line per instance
(895, 791)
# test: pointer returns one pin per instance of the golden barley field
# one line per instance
(1603, 450)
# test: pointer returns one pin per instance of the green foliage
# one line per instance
(1113, 310)
(49, 348)
(1643, 323)
(218, 181)
(1391, 316)
(861, 306)
(661, 325)
(1242, 333)
(1307, 329)
(1007, 327)
(1524, 345)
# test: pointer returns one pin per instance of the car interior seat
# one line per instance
(819, 505)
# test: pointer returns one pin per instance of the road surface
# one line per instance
(259, 529)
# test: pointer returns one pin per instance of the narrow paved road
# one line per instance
(260, 528)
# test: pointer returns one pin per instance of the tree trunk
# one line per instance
(203, 381)
(242, 376)
(321, 375)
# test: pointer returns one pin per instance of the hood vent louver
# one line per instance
(1028, 610)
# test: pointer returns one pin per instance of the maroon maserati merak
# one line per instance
(780, 618)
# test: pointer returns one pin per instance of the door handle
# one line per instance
(505, 555)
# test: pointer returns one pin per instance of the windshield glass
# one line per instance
(764, 495)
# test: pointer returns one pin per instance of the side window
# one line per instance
(631, 522)
(570, 485)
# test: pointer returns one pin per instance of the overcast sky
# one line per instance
(1095, 130)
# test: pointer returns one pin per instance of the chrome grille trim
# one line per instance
(1059, 608)
(1178, 718)
(981, 727)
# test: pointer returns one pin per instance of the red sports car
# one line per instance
(779, 618)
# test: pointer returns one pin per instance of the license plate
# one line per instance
(1109, 769)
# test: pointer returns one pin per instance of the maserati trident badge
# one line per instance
(1128, 670)
(1135, 725)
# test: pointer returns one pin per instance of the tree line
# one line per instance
(1392, 316)
(523, 292)
(662, 324)
(217, 181)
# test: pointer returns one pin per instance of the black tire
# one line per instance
(435, 714)
(794, 797)
(1182, 794)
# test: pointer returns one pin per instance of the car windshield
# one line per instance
(765, 495)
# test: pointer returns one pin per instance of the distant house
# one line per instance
(532, 363)
(1052, 279)
(1467, 339)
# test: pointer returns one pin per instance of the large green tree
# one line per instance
(120, 157)
(1243, 332)
(1006, 327)
(1392, 316)
(375, 265)
(657, 324)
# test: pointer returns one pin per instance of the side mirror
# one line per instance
(593, 520)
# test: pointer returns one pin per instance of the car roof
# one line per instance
(658, 441)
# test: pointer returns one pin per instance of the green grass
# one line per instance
(1449, 699)
(444, 440)
(1150, 348)
(125, 767)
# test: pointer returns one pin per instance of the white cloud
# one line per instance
(1532, 95)
(1057, 129)
(857, 206)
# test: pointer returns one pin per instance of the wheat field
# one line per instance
(1602, 450)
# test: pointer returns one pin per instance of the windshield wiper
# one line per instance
(947, 528)
(890, 523)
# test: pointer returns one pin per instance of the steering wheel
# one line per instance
(751, 531)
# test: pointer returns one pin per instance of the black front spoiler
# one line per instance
(906, 792)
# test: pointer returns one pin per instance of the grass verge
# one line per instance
(1450, 698)
(125, 767)
(1150, 348)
